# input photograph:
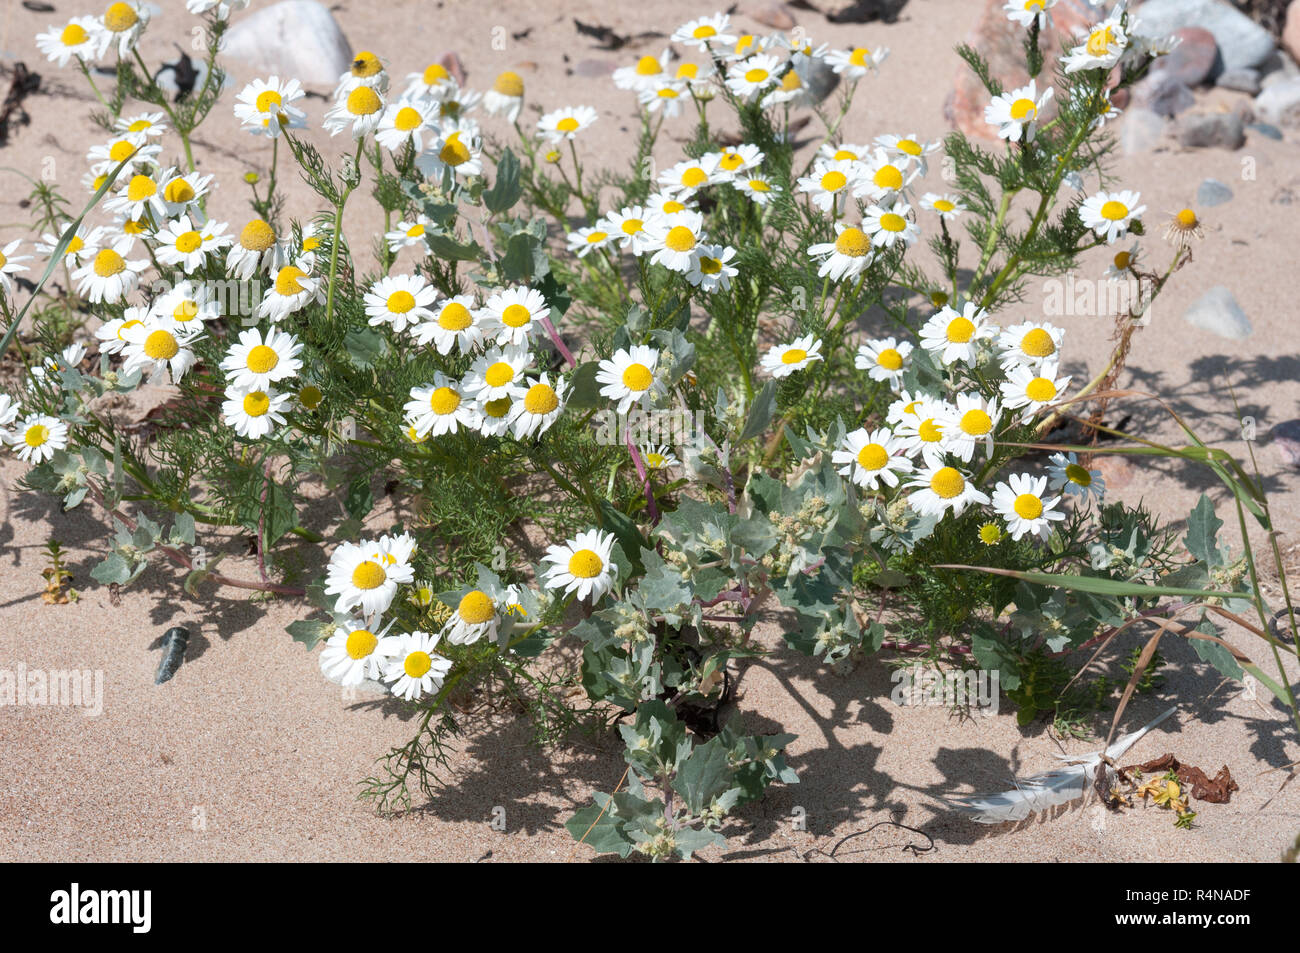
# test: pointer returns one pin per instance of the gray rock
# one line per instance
(1242, 41)
(1212, 192)
(1164, 95)
(1218, 312)
(1142, 130)
(294, 38)
(1202, 130)
(1264, 129)
(1279, 104)
(1242, 79)
(1192, 60)
(818, 79)
(1286, 442)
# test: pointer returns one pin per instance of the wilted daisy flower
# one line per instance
(506, 97)
(748, 79)
(939, 489)
(782, 360)
(847, 256)
(253, 412)
(365, 72)
(428, 82)
(452, 104)
(1066, 473)
(1016, 113)
(583, 565)
(354, 653)
(646, 73)
(947, 207)
(38, 436)
(414, 668)
(907, 149)
(831, 183)
(256, 249)
(1029, 343)
(857, 62)
(884, 360)
(266, 106)
(361, 108)
(408, 234)
(627, 228)
(458, 148)
(586, 240)
(255, 361)
(497, 373)
(628, 376)
(924, 429)
(187, 302)
(85, 238)
(710, 269)
(1020, 501)
(452, 326)
(883, 177)
(674, 238)
(1110, 214)
(536, 407)
(1106, 111)
(1124, 261)
(292, 290)
(690, 175)
(1032, 389)
(181, 244)
(565, 123)
(108, 276)
(658, 458)
(758, 187)
(109, 334)
(78, 38)
(158, 346)
(512, 316)
(1182, 228)
(870, 458)
(132, 149)
(705, 32)
(954, 335)
(439, 408)
(407, 121)
(1105, 44)
(122, 24)
(890, 224)
(1025, 12)
(972, 422)
(400, 301)
(10, 265)
(367, 574)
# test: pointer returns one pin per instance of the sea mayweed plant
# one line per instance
(657, 378)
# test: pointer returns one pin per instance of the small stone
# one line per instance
(1212, 192)
(1142, 130)
(1241, 41)
(452, 64)
(1291, 31)
(1218, 312)
(1164, 95)
(1285, 439)
(776, 15)
(1264, 129)
(1279, 104)
(1242, 79)
(1202, 130)
(593, 68)
(1192, 60)
(294, 38)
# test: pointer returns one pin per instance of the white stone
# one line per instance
(297, 39)
(1242, 41)
(1218, 312)
(1279, 104)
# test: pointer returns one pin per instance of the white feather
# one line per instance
(1044, 791)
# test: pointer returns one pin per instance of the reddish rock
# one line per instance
(452, 64)
(776, 15)
(1291, 32)
(1001, 42)
(1192, 60)
(1115, 470)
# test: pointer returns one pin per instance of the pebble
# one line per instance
(776, 15)
(294, 38)
(1218, 312)
(1279, 104)
(1142, 130)
(1193, 58)
(1212, 192)
(593, 68)
(1242, 79)
(1201, 130)
(1286, 441)
(1241, 41)
(1264, 129)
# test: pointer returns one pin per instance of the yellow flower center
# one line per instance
(960, 330)
(892, 222)
(455, 317)
(36, 435)
(990, 533)
(74, 246)
(888, 177)
(516, 316)
(710, 266)
(655, 461)
(262, 359)
(731, 161)
(845, 154)
(672, 207)
(1022, 108)
(453, 151)
(400, 302)
(1122, 260)
(496, 409)
(361, 643)
(435, 73)
(365, 65)
(363, 101)
(417, 664)
(694, 177)
(415, 231)
(1099, 41)
(187, 242)
(1038, 343)
(943, 205)
(287, 283)
(794, 355)
(585, 564)
(109, 263)
(910, 146)
(680, 238)
(756, 75)
(120, 17)
(161, 345)
(759, 185)
(929, 431)
(1028, 506)
(1040, 389)
(873, 457)
(1186, 219)
(407, 119)
(444, 401)
(637, 377)
(976, 422)
(1077, 474)
(790, 82)
(256, 403)
(509, 84)
(890, 359)
(541, 399)
(499, 374)
(476, 607)
(369, 575)
(833, 181)
(633, 226)
(1114, 210)
(140, 188)
(853, 243)
(688, 70)
(567, 124)
(311, 396)
(122, 149)
(861, 56)
(648, 66)
(266, 99)
(947, 483)
(73, 35)
(257, 236)
(703, 32)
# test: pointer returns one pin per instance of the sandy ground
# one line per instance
(248, 754)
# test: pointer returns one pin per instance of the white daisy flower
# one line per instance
(782, 360)
(1017, 112)
(476, 615)
(1020, 501)
(440, 407)
(400, 301)
(925, 430)
(1064, 472)
(759, 188)
(506, 97)
(407, 121)
(78, 38)
(907, 149)
(84, 239)
(666, 98)
(705, 32)
(1025, 12)
(737, 160)
(361, 109)
(179, 243)
(259, 362)
(108, 276)
(1032, 389)
(690, 175)
(845, 150)
(846, 257)
(38, 436)
(674, 239)
(1110, 214)
(662, 203)
(414, 668)
(939, 489)
(586, 240)
(158, 346)
(266, 106)
(110, 333)
(627, 228)
(629, 376)
(512, 316)
(257, 249)
(253, 412)
(10, 264)
(884, 177)
(832, 183)
(181, 191)
(408, 234)
(428, 82)
(907, 407)
(884, 360)
(367, 574)
(497, 373)
(187, 302)
(133, 149)
(365, 72)
(710, 269)
(565, 123)
(1029, 343)
(1103, 47)
(658, 457)
(1106, 111)
(946, 206)
(121, 25)
(537, 406)
(292, 290)
(646, 73)
(354, 653)
(1120, 266)
(459, 147)
(141, 124)
(973, 422)
(870, 458)
(141, 195)
(888, 225)
(9, 410)
(748, 79)
(454, 325)
(494, 417)
(954, 335)
(858, 62)
(583, 565)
